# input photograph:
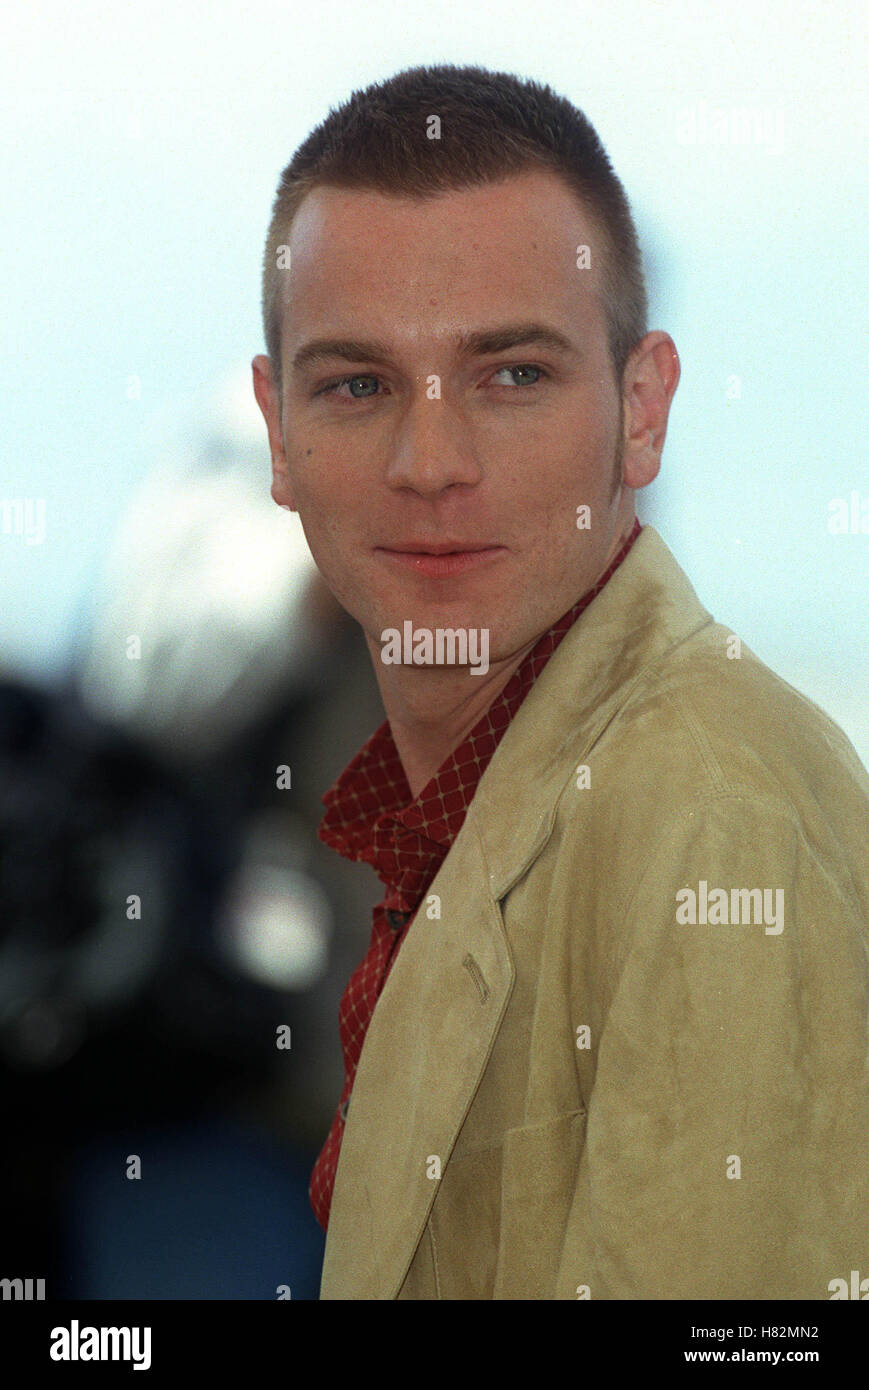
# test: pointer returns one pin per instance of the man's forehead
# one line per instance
(536, 200)
(521, 250)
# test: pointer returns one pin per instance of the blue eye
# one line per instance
(332, 387)
(524, 367)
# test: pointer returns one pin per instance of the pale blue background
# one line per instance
(141, 151)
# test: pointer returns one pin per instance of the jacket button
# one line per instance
(396, 919)
(343, 1108)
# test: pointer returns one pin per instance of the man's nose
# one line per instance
(432, 448)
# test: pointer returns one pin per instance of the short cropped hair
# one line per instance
(492, 125)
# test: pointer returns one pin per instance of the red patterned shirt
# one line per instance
(372, 816)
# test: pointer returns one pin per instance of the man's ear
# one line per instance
(268, 400)
(650, 379)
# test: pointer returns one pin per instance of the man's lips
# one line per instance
(437, 547)
(441, 558)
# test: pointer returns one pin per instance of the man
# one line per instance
(619, 1048)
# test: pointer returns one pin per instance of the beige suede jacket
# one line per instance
(622, 1053)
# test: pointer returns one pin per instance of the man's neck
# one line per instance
(431, 712)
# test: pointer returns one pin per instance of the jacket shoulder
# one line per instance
(708, 722)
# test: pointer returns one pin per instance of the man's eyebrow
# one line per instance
(480, 343)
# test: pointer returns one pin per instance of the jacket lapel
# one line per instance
(422, 1062)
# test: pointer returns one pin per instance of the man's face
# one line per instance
(433, 442)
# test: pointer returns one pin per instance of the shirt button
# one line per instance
(342, 1111)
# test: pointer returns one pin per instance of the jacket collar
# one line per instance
(647, 607)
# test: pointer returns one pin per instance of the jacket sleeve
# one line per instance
(727, 1134)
